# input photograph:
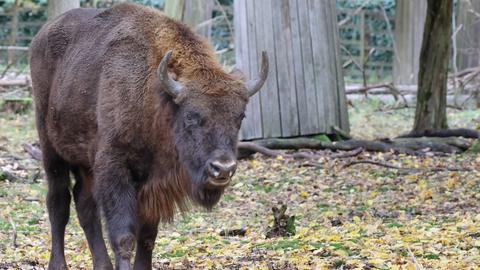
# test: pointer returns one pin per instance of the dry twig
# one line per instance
(14, 232)
(403, 169)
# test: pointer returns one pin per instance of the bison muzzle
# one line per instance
(134, 105)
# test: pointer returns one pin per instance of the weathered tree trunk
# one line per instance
(409, 22)
(57, 7)
(468, 38)
(431, 110)
(194, 13)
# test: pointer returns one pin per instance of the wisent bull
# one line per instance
(134, 105)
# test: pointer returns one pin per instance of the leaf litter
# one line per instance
(361, 217)
(345, 217)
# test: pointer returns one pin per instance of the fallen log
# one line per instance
(459, 132)
(380, 89)
(19, 82)
(271, 147)
(437, 144)
(405, 169)
(410, 146)
(249, 148)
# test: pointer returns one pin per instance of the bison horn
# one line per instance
(255, 84)
(169, 85)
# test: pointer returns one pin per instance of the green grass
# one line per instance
(368, 122)
(16, 129)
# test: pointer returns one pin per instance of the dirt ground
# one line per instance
(357, 217)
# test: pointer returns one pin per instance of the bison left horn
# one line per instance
(170, 86)
(255, 84)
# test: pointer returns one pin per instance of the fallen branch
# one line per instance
(459, 132)
(14, 48)
(372, 162)
(14, 232)
(33, 151)
(346, 154)
(349, 145)
(233, 232)
(408, 170)
(272, 147)
(9, 176)
(381, 88)
(418, 266)
(418, 146)
(249, 148)
(22, 82)
(437, 144)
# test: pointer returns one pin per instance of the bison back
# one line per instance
(85, 68)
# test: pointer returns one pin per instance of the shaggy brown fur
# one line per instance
(101, 111)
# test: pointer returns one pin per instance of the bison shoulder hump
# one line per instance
(58, 39)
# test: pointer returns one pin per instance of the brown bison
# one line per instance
(136, 107)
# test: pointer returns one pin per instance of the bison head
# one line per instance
(206, 123)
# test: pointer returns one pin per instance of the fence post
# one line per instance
(13, 32)
(362, 38)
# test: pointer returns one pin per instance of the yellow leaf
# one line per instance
(377, 262)
(410, 266)
(426, 194)
(451, 183)
(304, 194)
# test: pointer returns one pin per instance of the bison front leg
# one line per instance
(90, 219)
(117, 196)
(145, 244)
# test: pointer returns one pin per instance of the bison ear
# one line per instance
(254, 85)
(168, 84)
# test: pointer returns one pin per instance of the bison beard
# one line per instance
(140, 144)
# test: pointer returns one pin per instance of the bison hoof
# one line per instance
(57, 264)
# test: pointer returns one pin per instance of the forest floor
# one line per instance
(358, 217)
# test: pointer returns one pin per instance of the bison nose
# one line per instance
(221, 172)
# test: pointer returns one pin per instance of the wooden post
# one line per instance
(409, 23)
(362, 37)
(13, 32)
(191, 12)
(57, 7)
(304, 93)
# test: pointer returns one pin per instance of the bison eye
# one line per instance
(239, 119)
(192, 119)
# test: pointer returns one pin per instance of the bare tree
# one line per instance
(430, 113)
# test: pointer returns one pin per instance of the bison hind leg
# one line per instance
(58, 202)
(89, 218)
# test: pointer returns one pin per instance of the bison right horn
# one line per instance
(170, 86)
(255, 84)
